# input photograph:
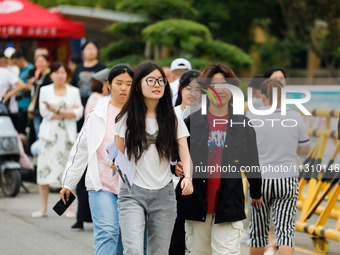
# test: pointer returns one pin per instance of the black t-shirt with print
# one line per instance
(81, 77)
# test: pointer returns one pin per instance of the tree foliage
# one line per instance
(224, 52)
(156, 10)
(122, 48)
(317, 24)
(279, 52)
(173, 31)
(231, 21)
(130, 30)
(185, 27)
(132, 60)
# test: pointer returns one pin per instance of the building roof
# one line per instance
(94, 16)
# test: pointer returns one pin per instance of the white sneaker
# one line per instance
(245, 238)
(39, 214)
(70, 215)
(269, 251)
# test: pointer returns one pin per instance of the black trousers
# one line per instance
(80, 122)
(83, 213)
(177, 244)
(20, 120)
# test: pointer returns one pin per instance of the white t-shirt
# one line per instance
(277, 145)
(7, 82)
(186, 112)
(178, 111)
(151, 172)
(104, 99)
(174, 90)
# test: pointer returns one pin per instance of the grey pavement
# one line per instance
(22, 234)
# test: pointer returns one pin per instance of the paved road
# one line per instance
(21, 234)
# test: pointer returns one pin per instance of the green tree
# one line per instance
(317, 24)
(156, 10)
(178, 34)
(131, 44)
(179, 25)
(224, 52)
(194, 39)
(231, 21)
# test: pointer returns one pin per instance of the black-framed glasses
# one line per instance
(151, 81)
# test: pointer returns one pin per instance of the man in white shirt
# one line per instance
(178, 66)
(9, 82)
(9, 51)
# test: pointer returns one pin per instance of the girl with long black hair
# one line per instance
(148, 129)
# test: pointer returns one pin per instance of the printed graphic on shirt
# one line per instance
(84, 83)
(150, 139)
(216, 143)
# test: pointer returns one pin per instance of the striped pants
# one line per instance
(280, 196)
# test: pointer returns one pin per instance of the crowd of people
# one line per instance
(152, 113)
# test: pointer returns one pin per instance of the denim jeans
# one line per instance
(150, 210)
(36, 124)
(106, 233)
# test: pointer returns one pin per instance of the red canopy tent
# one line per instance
(23, 19)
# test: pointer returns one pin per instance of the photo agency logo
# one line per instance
(239, 107)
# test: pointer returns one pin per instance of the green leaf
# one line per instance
(157, 10)
(122, 48)
(132, 60)
(224, 52)
(128, 29)
(173, 31)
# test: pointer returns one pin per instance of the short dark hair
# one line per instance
(256, 81)
(17, 55)
(96, 86)
(44, 56)
(267, 89)
(119, 69)
(76, 59)
(56, 65)
(273, 69)
(215, 68)
(87, 42)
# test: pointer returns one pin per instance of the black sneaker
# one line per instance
(78, 226)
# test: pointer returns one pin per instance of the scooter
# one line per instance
(10, 177)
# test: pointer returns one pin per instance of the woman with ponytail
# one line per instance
(90, 150)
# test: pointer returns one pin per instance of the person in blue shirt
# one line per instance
(24, 98)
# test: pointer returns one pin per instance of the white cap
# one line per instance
(9, 52)
(180, 63)
(101, 75)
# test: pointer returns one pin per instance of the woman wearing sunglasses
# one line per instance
(148, 129)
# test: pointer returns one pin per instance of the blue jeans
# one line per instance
(36, 124)
(106, 233)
